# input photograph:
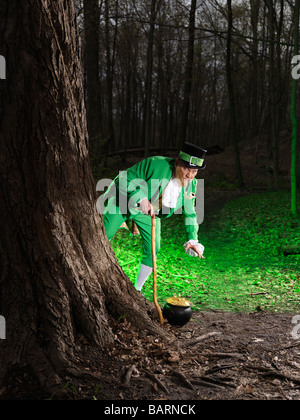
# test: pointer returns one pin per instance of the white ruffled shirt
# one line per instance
(169, 199)
(171, 193)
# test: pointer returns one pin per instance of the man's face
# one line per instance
(185, 174)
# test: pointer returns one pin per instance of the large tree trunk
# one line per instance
(58, 272)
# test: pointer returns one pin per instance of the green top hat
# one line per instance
(192, 156)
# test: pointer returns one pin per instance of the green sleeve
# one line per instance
(137, 181)
(189, 214)
(145, 178)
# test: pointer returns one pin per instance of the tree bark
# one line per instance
(59, 275)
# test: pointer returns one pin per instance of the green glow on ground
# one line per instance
(244, 269)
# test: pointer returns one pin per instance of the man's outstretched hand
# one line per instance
(195, 249)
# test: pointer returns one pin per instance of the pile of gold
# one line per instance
(178, 301)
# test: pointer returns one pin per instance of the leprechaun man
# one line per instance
(157, 186)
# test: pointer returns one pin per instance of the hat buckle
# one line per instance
(193, 158)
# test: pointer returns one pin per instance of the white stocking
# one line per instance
(144, 273)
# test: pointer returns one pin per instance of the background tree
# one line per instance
(110, 48)
(93, 91)
(255, 8)
(261, 52)
(273, 78)
(59, 275)
(149, 74)
(294, 117)
(188, 79)
(231, 94)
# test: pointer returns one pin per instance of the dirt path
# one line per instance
(239, 357)
(249, 356)
(216, 356)
(254, 356)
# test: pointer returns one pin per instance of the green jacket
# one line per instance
(149, 178)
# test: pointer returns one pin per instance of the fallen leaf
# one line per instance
(174, 357)
(243, 389)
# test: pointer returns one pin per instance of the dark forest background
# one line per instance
(161, 72)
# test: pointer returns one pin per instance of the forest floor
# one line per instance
(218, 355)
(238, 356)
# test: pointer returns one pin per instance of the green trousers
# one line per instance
(112, 223)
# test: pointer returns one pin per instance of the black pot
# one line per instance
(178, 313)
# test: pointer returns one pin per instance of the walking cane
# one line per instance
(154, 271)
